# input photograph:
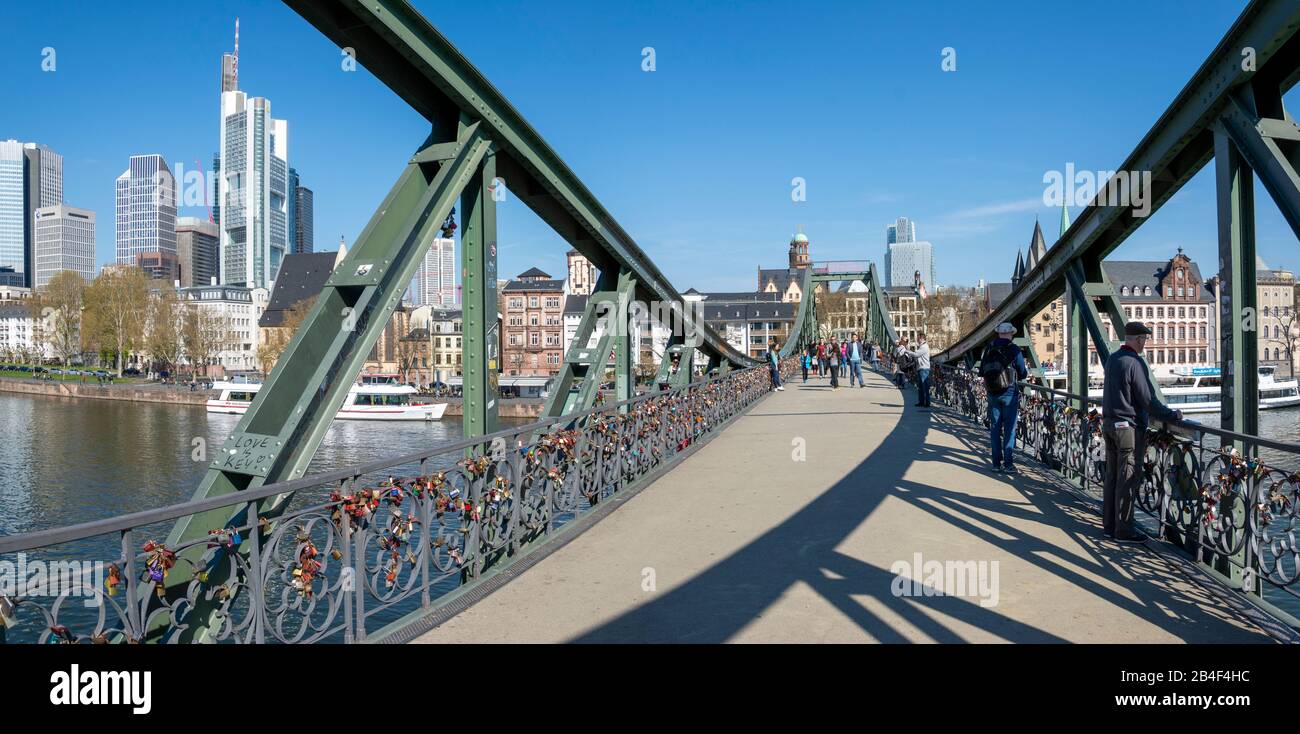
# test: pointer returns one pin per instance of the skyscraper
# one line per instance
(146, 209)
(435, 281)
(905, 259)
(902, 230)
(253, 195)
(304, 240)
(291, 211)
(65, 240)
(196, 247)
(31, 177)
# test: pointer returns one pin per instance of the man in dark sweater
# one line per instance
(1126, 405)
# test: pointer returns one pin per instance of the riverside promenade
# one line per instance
(750, 541)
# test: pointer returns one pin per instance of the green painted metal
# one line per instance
(404, 51)
(481, 358)
(279, 434)
(1239, 359)
(1238, 346)
(602, 332)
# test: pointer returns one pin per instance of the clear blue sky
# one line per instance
(695, 159)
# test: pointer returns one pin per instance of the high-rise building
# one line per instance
(291, 211)
(902, 230)
(903, 260)
(160, 265)
(252, 182)
(146, 209)
(582, 275)
(435, 281)
(304, 237)
(65, 240)
(196, 248)
(31, 177)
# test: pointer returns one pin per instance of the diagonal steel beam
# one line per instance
(404, 51)
(286, 422)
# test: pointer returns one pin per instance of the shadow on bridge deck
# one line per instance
(748, 545)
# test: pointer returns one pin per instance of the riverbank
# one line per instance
(507, 407)
(91, 390)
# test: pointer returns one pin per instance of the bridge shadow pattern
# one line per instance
(719, 602)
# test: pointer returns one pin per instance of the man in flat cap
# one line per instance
(1127, 401)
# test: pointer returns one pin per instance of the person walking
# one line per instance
(804, 359)
(1001, 365)
(875, 356)
(844, 359)
(833, 352)
(855, 354)
(1127, 402)
(773, 366)
(922, 353)
(821, 358)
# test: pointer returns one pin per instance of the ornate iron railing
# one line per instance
(366, 546)
(1228, 509)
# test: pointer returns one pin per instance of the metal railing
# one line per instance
(368, 546)
(1227, 509)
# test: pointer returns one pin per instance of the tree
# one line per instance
(60, 303)
(166, 318)
(204, 333)
(115, 302)
(276, 338)
(1289, 340)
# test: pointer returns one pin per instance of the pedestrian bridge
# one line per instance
(789, 526)
(701, 507)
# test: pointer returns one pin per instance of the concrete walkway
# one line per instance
(745, 543)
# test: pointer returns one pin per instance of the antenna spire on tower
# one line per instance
(235, 68)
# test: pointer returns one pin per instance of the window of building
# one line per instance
(1123, 291)
(1203, 336)
(516, 303)
(533, 301)
(552, 302)
(534, 338)
(532, 319)
(1160, 312)
(1160, 333)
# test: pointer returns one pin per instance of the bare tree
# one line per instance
(116, 302)
(204, 334)
(60, 303)
(276, 338)
(164, 340)
(1289, 340)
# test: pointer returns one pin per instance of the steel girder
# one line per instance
(602, 332)
(880, 327)
(284, 425)
(1179, 144)
(404, 51)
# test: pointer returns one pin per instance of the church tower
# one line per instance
(799, 250)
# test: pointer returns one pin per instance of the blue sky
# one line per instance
(696, 158)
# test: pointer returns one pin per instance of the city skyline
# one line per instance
(700, 229)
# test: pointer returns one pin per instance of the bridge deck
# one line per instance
(748, 545)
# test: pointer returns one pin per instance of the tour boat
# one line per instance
(373, 398)
(1196, 390)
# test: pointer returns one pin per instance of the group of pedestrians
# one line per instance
(912, 362)
(838, 359)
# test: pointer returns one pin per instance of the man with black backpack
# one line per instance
(1001, 365)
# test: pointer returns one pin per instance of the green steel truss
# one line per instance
(880, 326)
